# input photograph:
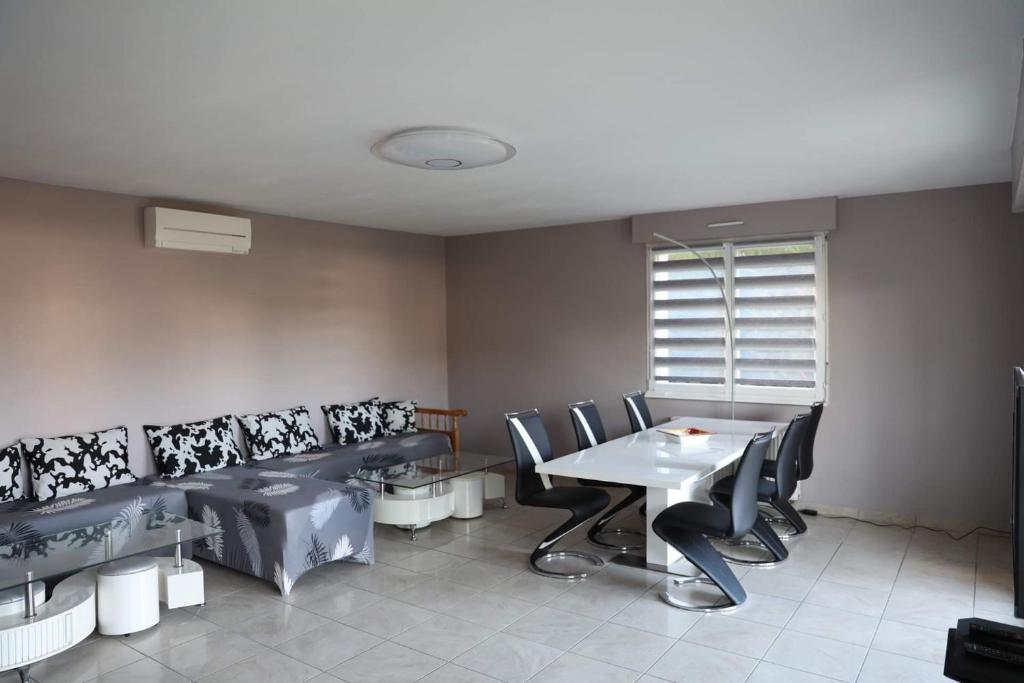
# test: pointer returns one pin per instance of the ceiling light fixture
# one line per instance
(443, 149)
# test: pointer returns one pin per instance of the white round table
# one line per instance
(61, 622)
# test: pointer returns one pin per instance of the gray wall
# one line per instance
(99, 331)
(924, 292)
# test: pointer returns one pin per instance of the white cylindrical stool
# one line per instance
(128, 595)
(469, 495)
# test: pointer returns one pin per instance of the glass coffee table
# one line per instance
(413, 494)
(33, 627)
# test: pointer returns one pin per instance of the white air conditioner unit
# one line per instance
(194, 231)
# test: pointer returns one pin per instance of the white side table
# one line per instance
(181, 585)
(494, 487)
(128, 595)
(469, 495)
(181, 581)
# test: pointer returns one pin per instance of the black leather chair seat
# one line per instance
(766, 489)
(583, 500)
(687, 526)
(713, 520)
(531, 445)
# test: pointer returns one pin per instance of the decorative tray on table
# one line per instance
(687, 435)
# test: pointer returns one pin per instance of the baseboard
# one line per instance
(881, 517)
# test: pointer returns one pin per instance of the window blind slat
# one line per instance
(771, 280)
(774, 302)
(772, 260)
(686, 284)
(677, 323)
(687, 361)
(788, 383)
(681, 342)
(688, 304)
(772, 343)
(775, 363)
(688, 265)
(686, 379)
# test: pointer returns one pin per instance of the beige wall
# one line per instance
(99, 331)
(925, 289)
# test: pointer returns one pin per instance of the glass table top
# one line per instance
(64, 552)
(428, 471)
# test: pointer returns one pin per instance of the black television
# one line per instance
(1016, 526)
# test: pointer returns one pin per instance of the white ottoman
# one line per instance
(495, 487)
(469, 495)
(180, 586)
(128, 595)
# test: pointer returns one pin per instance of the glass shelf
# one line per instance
(52, 555)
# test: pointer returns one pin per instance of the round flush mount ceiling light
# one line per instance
(443, 149)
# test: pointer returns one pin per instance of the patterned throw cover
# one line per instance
(25, 521)
(337, 463)
(278, 525)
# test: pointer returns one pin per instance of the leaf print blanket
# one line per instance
(337, 463)
(22, 522)
(279, 525)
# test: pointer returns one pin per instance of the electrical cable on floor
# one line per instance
(815, 513)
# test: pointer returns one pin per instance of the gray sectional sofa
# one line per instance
(280, 517)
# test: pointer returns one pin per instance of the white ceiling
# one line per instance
(616, 108)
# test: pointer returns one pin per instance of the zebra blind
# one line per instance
(777, 351)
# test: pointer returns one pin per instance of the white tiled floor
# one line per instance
(852, 603)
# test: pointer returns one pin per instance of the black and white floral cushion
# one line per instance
(193, 447)
(398, 417)
(355, 422)
(287, 432)
(64, 465)
(11, 485)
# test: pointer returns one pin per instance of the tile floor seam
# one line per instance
(704, 645)
(917, 549)
(789, 619)
(903, 558)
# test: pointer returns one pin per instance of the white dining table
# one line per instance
(673, 470)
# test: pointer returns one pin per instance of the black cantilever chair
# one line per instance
(791, 520)
(532, 447)
(639, 419)
(770, 491)
(638, 412)
(586, 420)
(686, 527)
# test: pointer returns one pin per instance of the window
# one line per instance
(778, 292)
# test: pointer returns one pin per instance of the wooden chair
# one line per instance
(443, 421)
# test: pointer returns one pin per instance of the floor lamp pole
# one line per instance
(728, 314)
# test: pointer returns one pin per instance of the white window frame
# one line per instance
(750, 394)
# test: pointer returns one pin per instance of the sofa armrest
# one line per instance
(441, 420)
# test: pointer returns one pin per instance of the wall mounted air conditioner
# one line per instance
(194, 231)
